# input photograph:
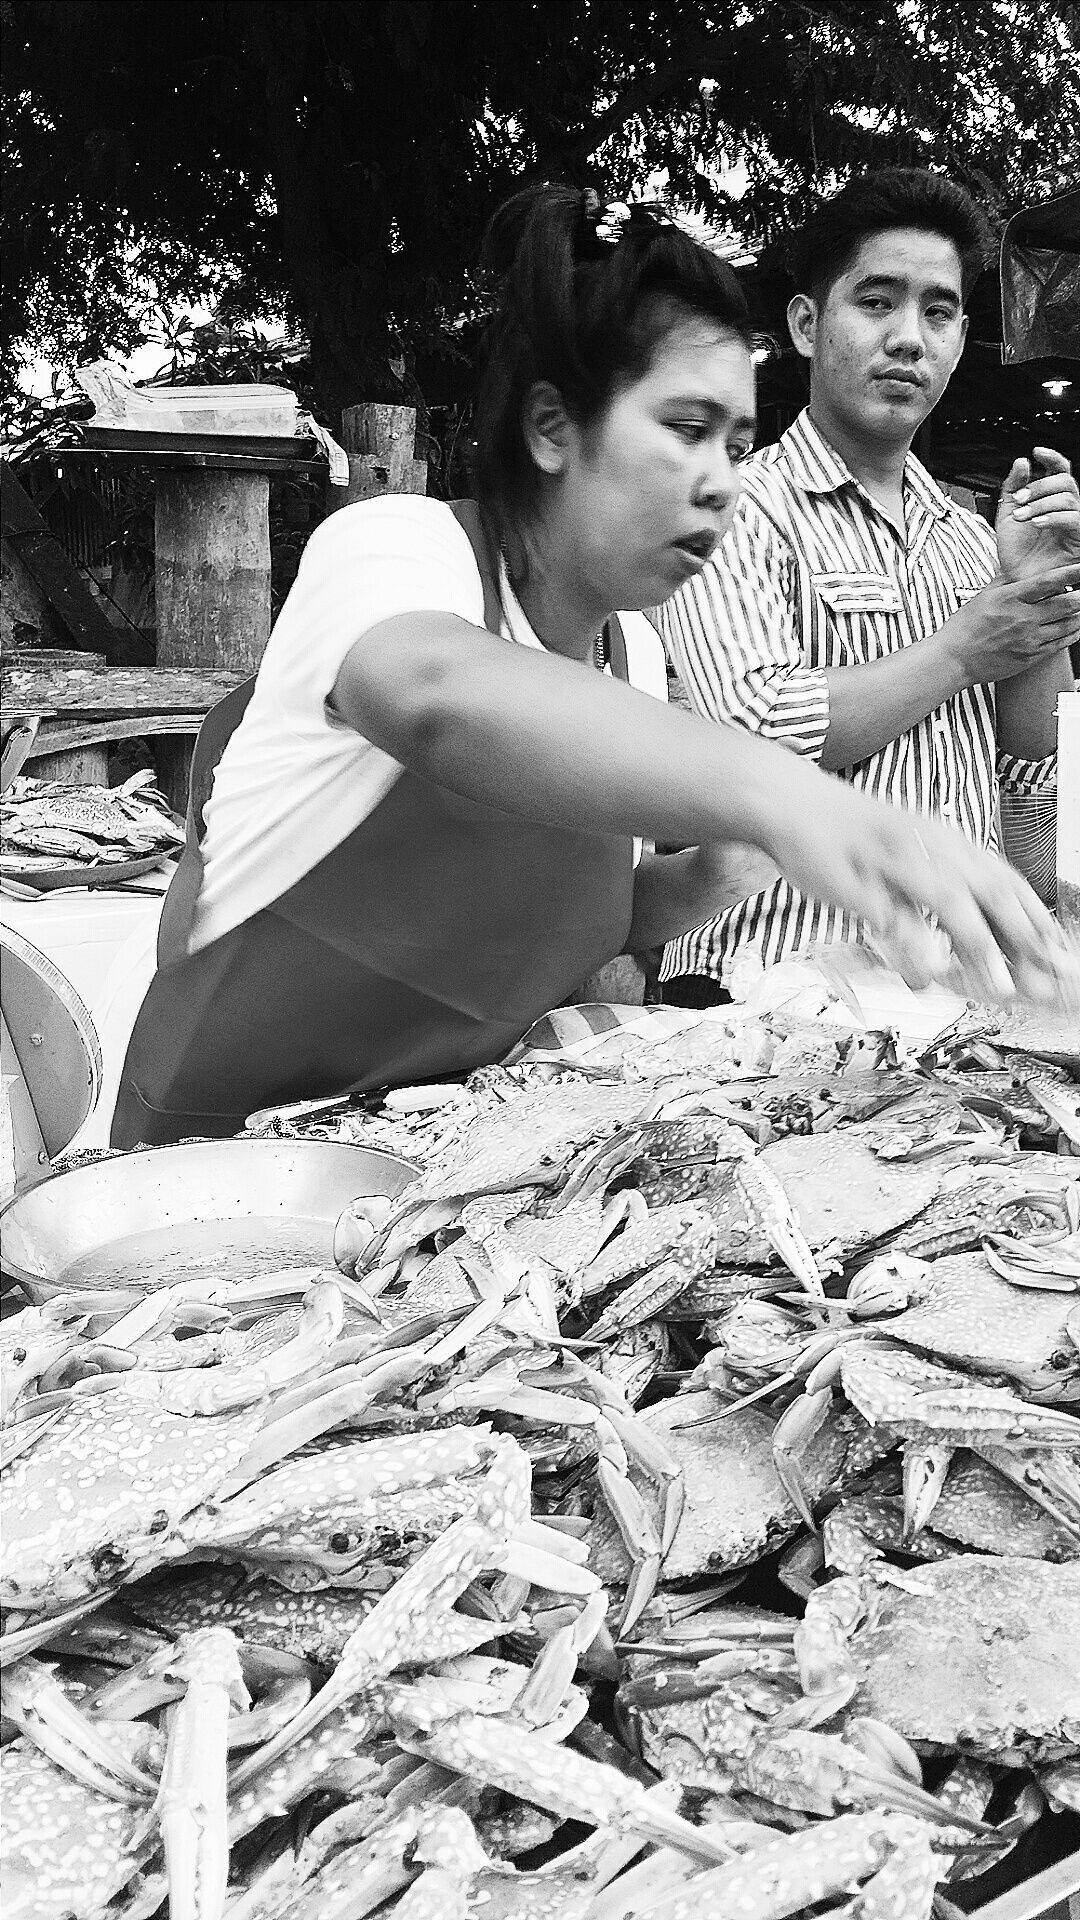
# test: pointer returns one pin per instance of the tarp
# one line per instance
(1040, 282)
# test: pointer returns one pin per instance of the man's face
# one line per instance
(883, 343)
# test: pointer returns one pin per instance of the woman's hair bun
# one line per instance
(584, 290)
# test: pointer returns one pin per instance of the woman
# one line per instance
(421, 835)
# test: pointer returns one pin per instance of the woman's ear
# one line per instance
(547, 427)
(802, 319)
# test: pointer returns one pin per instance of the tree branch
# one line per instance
(645, 92)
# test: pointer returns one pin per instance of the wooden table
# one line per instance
(212, 592)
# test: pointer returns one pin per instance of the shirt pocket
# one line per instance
(856, 617)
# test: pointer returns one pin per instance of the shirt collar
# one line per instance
(816, 467)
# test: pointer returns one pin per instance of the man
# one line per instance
(854, 612)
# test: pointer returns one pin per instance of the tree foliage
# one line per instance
(335, 160)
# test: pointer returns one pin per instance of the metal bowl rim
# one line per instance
(38, 1287)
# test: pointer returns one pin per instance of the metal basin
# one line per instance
(228, 1209)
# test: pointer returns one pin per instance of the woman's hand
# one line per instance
(893, 869)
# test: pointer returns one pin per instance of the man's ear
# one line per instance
(963, 337)
(547, 427)
(802, 319)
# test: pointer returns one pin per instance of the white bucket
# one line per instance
(1068, 812)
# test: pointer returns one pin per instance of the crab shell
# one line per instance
(64, 1848)
(82, 1509)
(736, 1508)
(977, 1507)
(1046, 1035)
(312, 1626)
(841, 1193)
(978, 1654)
(963, 1313)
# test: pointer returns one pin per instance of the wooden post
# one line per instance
(212, 568)
(211, 584)
(379, 441)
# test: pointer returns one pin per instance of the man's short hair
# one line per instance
(874, 203)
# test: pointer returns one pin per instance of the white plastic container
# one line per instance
(1068, 816)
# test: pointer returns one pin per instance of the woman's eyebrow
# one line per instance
(717, 412)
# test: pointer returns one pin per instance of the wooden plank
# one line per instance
(75, 767)
(114, 691)
(124, 460)
(41, 553)
(56, 736)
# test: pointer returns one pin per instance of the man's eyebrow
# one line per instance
(891, 280)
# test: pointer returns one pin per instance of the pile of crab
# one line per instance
(669, 1507)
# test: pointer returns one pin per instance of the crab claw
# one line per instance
(820, 1773)
(925, 1471)
(821, 1641)
(636, 1526)
(793, 1432)
(648, 1451)
(555, 1665)
(766, 1197)
(904, 1885)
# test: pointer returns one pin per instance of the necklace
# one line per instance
(516, 618)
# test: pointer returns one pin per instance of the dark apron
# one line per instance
(424, 944)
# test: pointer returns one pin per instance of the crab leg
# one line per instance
(783, 1876)
(323, 1406)
(642, 1300)
(17, 1642)
(407, 1619)
(191, 1800)
(39, 1706)
(362, 1472)
(528, 1765)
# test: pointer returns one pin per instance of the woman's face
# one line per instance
(649, 488)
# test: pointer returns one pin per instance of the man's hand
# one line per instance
(1038, 518)
(1014, 624)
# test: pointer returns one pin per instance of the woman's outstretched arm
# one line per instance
(549, 739)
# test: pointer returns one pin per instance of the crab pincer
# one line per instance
(823, 1773)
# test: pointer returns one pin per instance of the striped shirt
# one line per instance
(813, 575)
